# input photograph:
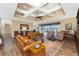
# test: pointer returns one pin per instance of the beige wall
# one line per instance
(72, 20)
(63, 22)
(16, 26)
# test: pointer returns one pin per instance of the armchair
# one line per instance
(59, 36)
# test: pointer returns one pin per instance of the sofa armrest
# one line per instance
(22, 38)
(29, 46)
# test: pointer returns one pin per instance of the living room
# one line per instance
(48, 29)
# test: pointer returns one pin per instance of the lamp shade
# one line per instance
(24, 28)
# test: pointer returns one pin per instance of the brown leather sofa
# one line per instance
(24, 44)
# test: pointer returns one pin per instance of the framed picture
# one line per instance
(68, 26)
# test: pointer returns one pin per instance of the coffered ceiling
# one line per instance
(44, 10)
(39, 12)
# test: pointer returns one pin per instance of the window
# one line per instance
(50, 27)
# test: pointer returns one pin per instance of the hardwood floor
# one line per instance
(10, 48)
(53, 48)
(68, 48)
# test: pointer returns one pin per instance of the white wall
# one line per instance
(1, 28)
(7, 11)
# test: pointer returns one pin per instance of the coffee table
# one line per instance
(38, 51)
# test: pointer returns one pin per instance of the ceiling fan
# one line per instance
(38, 17)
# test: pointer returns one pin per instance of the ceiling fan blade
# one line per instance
(41, 18)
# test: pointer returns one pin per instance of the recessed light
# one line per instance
(24, 6)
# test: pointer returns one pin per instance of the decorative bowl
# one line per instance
(37, 46)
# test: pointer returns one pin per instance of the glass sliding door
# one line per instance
(51, 27)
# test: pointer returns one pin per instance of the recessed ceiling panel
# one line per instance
(57, 13)
(24, 6)
(49, 6)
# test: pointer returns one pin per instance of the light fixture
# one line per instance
(24, 28)
(37, 15)
(24, 6)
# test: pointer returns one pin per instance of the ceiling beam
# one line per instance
(35, 8)
(31, 10)
(52, 10)
(29, 13)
